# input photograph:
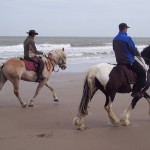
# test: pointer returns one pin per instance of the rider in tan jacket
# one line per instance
(31, 53)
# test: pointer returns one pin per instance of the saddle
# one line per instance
(129, 73)
(30, 65)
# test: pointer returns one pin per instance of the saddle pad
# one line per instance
(30, 66)
(130, 74)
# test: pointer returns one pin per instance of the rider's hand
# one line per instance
(45, 55)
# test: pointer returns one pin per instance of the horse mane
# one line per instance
(60, 51)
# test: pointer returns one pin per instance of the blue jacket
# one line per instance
(124, 48)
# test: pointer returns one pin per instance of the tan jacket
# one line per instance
(30, 48)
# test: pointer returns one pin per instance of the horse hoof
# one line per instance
(24, 105)
(125, 123)
(56, 100)
(78, 122)
(82, 128)
(30, 105)
(116, 124)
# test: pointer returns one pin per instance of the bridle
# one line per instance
(49, 58)
(49, 61)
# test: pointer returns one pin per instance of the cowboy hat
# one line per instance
(32, 32)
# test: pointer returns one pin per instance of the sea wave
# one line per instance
(86, 54)
(45, 46)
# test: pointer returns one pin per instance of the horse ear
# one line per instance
(63, 49)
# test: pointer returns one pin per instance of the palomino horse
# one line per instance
(110, 80)
(14, 70)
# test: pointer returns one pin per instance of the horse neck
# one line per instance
(49, 65)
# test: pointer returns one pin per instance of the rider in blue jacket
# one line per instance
(125, 52)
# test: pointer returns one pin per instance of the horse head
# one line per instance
(59, 57)
(146, 54)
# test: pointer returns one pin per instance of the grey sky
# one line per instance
(74, 17)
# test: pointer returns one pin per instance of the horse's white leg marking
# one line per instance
(112, 116)
(16, 92)
(41, 84)
(52, 90)
(125, 116)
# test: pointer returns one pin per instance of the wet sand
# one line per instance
(48, 125)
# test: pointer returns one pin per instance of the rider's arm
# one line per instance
(132, 47)
(34, 49)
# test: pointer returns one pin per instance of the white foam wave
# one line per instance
(75, 54)
(45, 46)
(14, 48)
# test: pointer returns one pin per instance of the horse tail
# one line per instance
(89, 90)
(1, 73)
(2, 77)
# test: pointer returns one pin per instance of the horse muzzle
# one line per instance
(63, 67)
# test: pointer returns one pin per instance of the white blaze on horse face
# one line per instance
(103, 72)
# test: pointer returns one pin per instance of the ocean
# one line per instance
(82, 52)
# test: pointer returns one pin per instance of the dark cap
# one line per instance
(122, 26)
(32, 32)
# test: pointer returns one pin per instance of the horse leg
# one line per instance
(41, 84)
(126, 114)
(53, 93)
(108, 107)
(147, 97)
(16, 92)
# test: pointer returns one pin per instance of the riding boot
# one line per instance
(141, 79)
(136, 93)
(39, 72)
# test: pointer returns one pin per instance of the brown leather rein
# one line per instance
(48, 63)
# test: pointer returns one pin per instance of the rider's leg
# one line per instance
(141, 78)
(40, 69)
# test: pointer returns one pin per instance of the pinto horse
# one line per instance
(110, 79)
(14, 70)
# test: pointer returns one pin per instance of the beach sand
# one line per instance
(48, 125)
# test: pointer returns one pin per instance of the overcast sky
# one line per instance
(74, 17)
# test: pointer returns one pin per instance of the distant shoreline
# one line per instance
(68, 36)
